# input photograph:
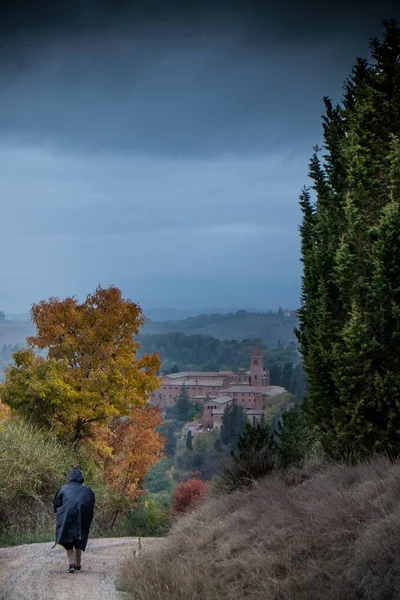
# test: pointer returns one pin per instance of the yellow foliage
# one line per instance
(91, 374)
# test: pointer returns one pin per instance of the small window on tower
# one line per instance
(255, 362)
(255, 376)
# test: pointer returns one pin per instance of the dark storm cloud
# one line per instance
(262, 17)
(161, 146)
(176, 78)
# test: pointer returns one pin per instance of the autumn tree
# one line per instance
(37, 389)
(91, 374)
(127, 448)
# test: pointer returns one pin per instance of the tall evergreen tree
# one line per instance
(170, 446)
(233, 424)
(287, 373)
(182, 405)
(349, 324)
(275, 375)
(189, 440)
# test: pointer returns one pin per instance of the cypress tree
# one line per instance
(189, 441)
(170, 446)
(287, 373)
(349, 315)
(182, 405)
(234, 422)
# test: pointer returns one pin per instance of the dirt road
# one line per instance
(38, 572)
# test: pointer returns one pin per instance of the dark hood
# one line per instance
(75, 476)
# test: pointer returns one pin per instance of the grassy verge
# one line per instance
(33, 466)
(33, 537)
(333, 535)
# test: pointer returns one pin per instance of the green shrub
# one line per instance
(148, 519)
(163, 499)
(156, 479)
(296, 439)
(252, 460)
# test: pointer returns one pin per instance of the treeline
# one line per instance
(206, 353)
(270, 327)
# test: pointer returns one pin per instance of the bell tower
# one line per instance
(256, 367)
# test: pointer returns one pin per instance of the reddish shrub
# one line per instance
(188, 494)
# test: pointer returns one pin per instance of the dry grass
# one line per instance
(334, 536)
(33, 465)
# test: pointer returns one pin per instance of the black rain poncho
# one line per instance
(74, 506)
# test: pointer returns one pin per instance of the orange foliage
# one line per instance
(135, 447)
(95, 343)
(4, 411)
(188, 494)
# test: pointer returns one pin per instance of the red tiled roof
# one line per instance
(269, 390)
(194, 383)
(191, 374)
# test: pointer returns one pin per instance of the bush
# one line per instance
(188, 494)
(163, 499)
(237, 473)
(147, 520)
(156, 479)
(252, 460)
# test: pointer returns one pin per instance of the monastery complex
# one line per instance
(216, 390)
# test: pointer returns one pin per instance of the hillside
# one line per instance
(331, 536)
(206, 353)
(269, 327)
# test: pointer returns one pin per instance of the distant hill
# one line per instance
(271, 328)
(18, 316)
(170, 313)
(205, 353)
(15, 332)
(13, 335)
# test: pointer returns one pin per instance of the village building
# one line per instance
(216, 390)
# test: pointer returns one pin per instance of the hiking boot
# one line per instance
(77, 567)
(71, 568)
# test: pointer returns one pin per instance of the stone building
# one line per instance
(215, 390)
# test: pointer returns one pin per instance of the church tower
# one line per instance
(256, 367)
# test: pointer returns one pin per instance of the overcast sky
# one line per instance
(161, 147)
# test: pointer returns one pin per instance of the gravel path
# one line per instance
(38, 572)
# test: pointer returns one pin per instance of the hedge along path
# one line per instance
(38, 572)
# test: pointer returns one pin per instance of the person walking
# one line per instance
(74, 507)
